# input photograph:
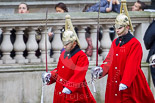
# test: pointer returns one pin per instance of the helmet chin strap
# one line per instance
(72, 46)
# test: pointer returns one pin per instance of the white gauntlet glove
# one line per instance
(122, 87)
(152, 61)
(66, 91)
(46, 77)
(96, 72)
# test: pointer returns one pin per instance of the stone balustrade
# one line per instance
(32, 22)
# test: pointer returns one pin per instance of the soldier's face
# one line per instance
(68, 47)
(121, 31)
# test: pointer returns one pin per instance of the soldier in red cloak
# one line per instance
(71, 86)
(126, 82)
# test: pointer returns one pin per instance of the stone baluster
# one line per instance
(7, 46)
(19, 46)
(57, 43)
(93, 36)
(32, 46)
(139, 31)
(42, 47)
(105, 41)
(82, 37)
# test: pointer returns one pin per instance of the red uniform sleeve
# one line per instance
(54, 74)
(133, 63)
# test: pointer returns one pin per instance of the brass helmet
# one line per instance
(69, 36)
(121, 21)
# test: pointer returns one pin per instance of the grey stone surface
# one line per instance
(24, 85)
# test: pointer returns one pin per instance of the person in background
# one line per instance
(138, 6)
(71, 85)
(23, 8)
(105, 6)
(61, 8)
(149, 41)
(126, 81)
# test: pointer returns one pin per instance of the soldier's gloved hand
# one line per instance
(96, 72)
(122, 87)
(66, 91)
(46, 77)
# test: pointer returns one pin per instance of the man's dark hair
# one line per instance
(62, 6)
(143, 5)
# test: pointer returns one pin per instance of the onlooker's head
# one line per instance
(138, 6)
(61, 8)
(23, 8)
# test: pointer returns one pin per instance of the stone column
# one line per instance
(56, 43)
(19, 46)
(139, 34)
(42, 47)
(93, 36)
(82, 37)
(105, 41)
(32, 46)
(6, 46)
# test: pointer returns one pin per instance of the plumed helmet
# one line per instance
(121, 21)
(152, 60)
(69, 36)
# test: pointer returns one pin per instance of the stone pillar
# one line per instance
(42, 47)
(56, 43)
(32, 46)
(82, 37)
(139, 34)
(6, 46)
(105, 41)
(93, 36)
(19, 46)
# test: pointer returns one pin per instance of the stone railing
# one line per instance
(20, 77)
(32, 22)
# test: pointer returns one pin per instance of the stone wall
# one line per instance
(23, 84)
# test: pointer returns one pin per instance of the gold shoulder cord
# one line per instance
(125, 11)
(69, 25)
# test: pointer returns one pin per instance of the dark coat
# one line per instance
(149, 39)
(103, 4)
